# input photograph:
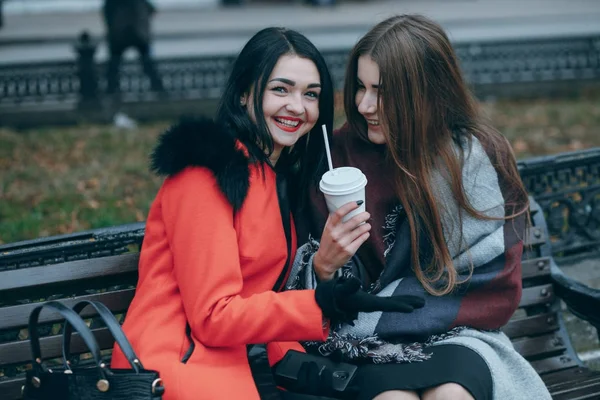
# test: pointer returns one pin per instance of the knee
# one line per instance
(447, 391)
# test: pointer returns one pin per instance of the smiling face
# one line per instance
(290, 101)
(366, 98)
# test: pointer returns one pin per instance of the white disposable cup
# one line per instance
(341, 186)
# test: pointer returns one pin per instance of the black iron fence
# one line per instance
(567, 187)
(67, 84)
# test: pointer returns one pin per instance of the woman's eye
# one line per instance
(314, 95)
(360, 86)
(279, 89)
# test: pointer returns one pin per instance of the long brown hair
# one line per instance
(424, 106)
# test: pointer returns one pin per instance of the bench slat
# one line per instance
(537, 295)
(69, 271)
(566, 385)
(20, 352)
(584, 391)
(536, 267)
(535, 325)
(11, 388)
(529, 347)
(18, 316)
(553, 364)
(557, 379)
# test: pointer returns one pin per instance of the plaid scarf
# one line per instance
(485, 253)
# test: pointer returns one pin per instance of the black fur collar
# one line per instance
(199, 141)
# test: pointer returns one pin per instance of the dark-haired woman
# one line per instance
(448, 214)
(220, 236)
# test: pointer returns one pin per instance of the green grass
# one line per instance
(539, 127)
(62, 180)
(69, 179)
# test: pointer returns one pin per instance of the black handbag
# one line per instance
(95, 382)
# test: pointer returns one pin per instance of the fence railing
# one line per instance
(81, 80)
(567, 187)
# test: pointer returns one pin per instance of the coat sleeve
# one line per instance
(203, 243)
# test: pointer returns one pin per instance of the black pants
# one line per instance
(116, 51)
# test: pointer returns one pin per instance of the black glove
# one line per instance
(341, 299)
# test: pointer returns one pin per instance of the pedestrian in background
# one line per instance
(320, 2)
(128, 25)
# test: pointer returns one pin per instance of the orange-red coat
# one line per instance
(203, 263)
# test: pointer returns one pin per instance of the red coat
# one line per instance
(203, 263)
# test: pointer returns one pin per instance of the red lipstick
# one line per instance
(288, 128)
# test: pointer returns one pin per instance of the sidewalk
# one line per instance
(193, 31)
(202, 21)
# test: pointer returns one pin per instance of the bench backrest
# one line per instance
(110, 280)
(536, 329)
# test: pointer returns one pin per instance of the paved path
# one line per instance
(194, 31)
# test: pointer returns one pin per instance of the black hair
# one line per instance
(251, 70)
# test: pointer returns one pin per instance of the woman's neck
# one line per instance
(274, 157)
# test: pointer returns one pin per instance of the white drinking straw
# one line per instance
(327, 147)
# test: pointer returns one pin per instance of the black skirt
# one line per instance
(449, 363)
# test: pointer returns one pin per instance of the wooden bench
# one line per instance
(102, 265)
(537, 329)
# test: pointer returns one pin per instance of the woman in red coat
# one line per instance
(220, 238)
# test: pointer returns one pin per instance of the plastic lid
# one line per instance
(343, 179)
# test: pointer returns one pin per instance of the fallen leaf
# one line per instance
(139, 216)
(576, 144)
(520, 146)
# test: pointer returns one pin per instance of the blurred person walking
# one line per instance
(128, 25)
(320, 2)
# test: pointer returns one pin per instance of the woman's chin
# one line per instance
(376, 136)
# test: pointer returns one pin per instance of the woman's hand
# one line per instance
(340, 240)
(341, 299)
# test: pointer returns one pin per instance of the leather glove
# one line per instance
(341, 299)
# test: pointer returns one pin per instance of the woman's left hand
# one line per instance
(340, 240)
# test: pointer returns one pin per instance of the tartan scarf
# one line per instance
(485, 253)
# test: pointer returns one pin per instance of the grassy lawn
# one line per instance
(61, 180)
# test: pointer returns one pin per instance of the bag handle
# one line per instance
(114, 328)
(72, 319)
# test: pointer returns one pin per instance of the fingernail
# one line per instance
(360, 202)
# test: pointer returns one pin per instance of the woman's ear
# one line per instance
(244, 100)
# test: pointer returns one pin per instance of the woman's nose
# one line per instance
(295, 105)
(367, 105)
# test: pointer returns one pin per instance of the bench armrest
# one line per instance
(583, 301)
